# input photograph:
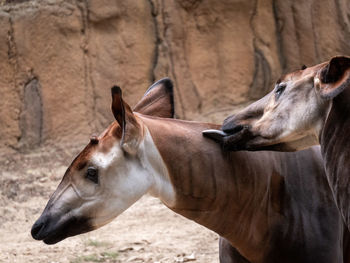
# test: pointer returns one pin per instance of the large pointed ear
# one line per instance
(334, 77)
(131, 130)
(158, 100)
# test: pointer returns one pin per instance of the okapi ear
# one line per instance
(334, 77)
(131, 130)
(158, 100)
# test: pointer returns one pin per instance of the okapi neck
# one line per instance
(335, 147)
(337, 124)
(214, 188)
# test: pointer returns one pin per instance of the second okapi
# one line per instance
(307, 107)
(268, 207)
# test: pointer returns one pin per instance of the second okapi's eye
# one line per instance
(92, 174)
(279, 89)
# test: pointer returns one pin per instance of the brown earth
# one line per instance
(58, 60)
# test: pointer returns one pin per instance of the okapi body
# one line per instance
(266, 206)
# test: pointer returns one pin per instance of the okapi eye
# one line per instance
(279, 90)
(92, 174)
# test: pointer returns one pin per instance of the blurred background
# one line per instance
(58, 60)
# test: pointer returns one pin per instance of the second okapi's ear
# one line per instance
(158, 100)
(334, 77)
(131, 130)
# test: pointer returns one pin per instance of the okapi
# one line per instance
(307, 107)
(266, 206)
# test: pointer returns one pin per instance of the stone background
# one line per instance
(58, 59)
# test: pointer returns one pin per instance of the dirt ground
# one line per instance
(146, 232)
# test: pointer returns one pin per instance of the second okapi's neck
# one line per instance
(214, 188)
(335, 146)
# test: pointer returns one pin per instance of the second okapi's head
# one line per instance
(110, 174)
(292, 115)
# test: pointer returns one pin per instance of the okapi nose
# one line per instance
(37, 228)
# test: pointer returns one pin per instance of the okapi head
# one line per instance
(110, 174)
(292, 115)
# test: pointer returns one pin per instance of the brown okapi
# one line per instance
(267, 206)
(307, 107)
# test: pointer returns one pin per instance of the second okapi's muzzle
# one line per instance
(230, 126)
(237, 130)
(230, 141)
(232, 135)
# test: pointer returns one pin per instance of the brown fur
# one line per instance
(335, 145)
(247, 197)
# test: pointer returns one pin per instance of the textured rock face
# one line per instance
(58, 59)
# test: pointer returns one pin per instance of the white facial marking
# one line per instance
(123, 179)
(122, 182)
(153, 162)
(104, 160)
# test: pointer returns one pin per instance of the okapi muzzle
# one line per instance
(237, 129)
(60, 218)
(52, 229)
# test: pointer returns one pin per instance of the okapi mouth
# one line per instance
(237, 139)
(233, 129)
(234, 140)
(52, 230)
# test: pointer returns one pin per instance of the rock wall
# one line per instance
(58, 59)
